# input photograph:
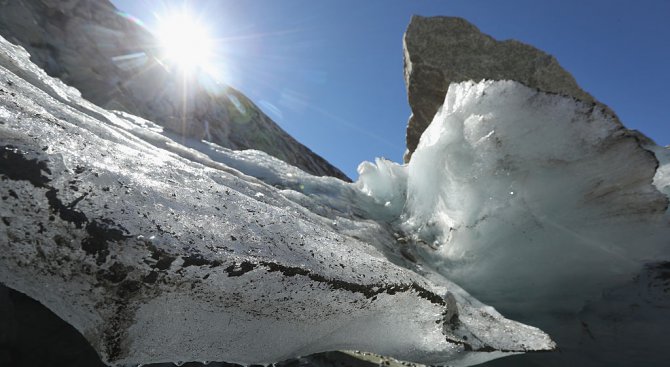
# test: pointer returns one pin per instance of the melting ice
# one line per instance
(516, 195)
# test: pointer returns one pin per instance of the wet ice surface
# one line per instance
(156, 251)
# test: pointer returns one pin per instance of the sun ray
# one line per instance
(185, 42)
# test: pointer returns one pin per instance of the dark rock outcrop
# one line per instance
(439, 51)
(113, 62)
(31, 335)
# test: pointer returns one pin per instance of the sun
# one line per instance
(185, 42)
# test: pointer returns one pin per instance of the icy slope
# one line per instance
(116, 64)
(156, 252)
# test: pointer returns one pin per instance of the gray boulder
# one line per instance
(113, 62)
(439, 51)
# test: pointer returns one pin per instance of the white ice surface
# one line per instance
(530, 201)
(204, 195)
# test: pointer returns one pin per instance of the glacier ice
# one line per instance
(549, 209)
(385, 182)
(535, 203)
(509, 182)
(160, 251)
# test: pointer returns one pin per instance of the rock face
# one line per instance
(156, 252)
(113, 62)
(439, 51)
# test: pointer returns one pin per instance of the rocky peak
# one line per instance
(441, 50)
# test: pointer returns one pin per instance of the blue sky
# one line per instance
(331, 73)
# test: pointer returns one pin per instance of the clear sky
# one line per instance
(331, 73)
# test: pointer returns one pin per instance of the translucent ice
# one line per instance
(517, 194)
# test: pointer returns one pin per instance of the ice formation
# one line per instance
(157, 251)
(162, 251)
(508, 183)
(547, 208)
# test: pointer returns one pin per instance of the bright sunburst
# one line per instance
(185, 42)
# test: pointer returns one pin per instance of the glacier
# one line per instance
(160, 251)
(158, 248)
